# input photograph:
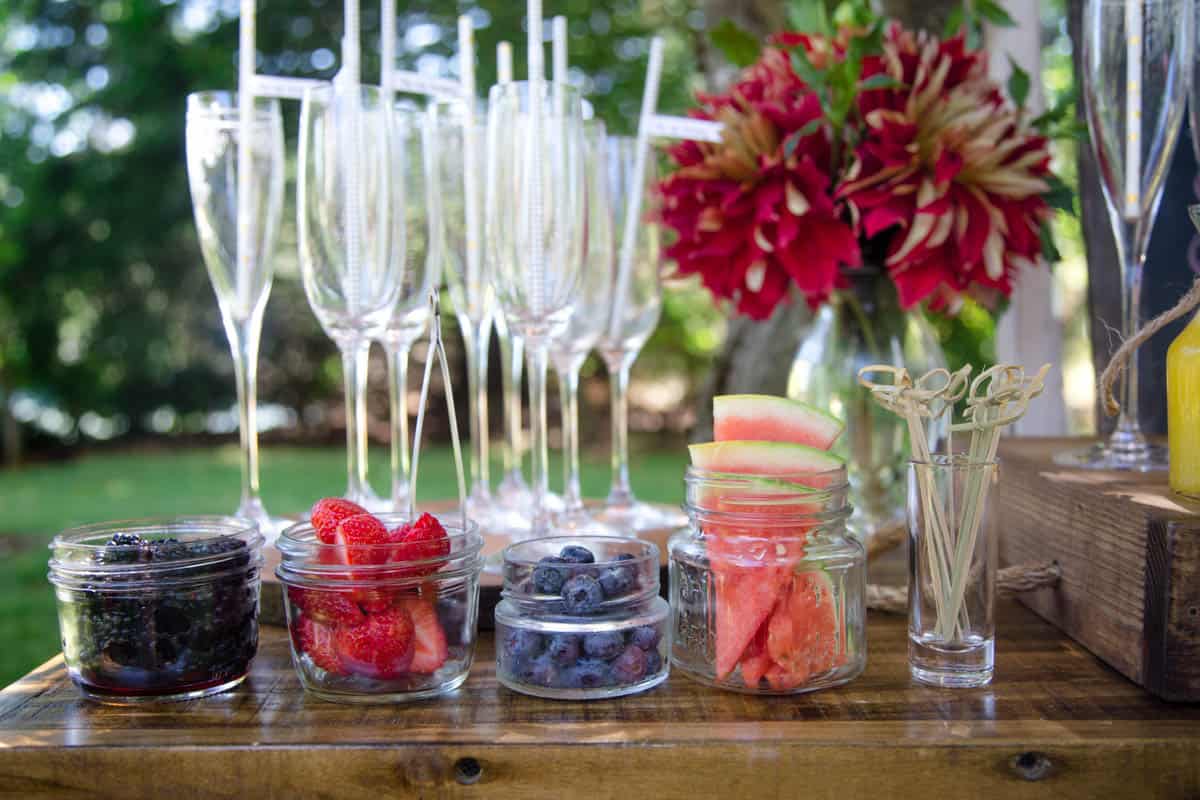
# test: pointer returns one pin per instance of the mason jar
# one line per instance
(370, 624)
(157, 609)
(767, 587)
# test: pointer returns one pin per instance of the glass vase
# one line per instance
(863, 325)
(951, 572)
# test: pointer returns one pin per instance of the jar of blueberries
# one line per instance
(580, 618)
(381, 608)
(153, 610)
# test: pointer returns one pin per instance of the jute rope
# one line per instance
(1009, 581)
(1116, 365)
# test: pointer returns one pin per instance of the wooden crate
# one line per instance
(1129, 550)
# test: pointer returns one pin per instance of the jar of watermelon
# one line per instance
(767, 587)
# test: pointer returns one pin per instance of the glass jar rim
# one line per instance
(73, 562)
(816, 497)
(513, 553)
(310, 562)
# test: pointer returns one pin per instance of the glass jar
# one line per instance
(767, 588)
(580, 618)
(370, 624)
(157, 609)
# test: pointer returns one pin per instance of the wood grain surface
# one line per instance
(1129, 551)
(1056, 723)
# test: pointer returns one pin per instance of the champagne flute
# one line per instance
(459, 183)
(513, 492)
(633, 316)
(1136, 71)
(570, 349)
(343, 202)
(239, 267)
(415, 214)
(535, 208)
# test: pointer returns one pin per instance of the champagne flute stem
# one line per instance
(244, 339)
(538, 360)
(512, 353)
(398, 406)
(1128, 423)
(620, 493)
(354, 371)
(477, 364)
(568, 386)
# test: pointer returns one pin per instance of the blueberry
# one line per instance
(574, 554)
(630, 666)
(522, 644)
(582, 594)
(654, 662)
(563, 649)
(607, 645)
(587, 674)
(616, 582)
(548, 578)
(645, 637)
(539, 672)
(624, 557)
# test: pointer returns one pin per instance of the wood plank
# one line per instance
(1129, 550)
(1054, 713)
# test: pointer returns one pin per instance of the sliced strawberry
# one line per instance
(374, 601)
(317, 641)
(431, 648)
(327, 607)
(424, 540)
(381, 647)
(354, 532)
(326, 514)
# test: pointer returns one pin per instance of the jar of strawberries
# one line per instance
(380, 607)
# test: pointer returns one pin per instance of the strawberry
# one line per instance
(431, 648)
(424, 540)
(374, 601)
(326, 607)
(317, 641)
(327, 513)
(361, 529)
(381, 647)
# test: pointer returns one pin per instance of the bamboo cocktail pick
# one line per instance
(997, 397)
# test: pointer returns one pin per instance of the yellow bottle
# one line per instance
(1183, 409)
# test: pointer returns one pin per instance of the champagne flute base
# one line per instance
(270, 527)
(582, 522)
(1103, 456)
(636, 517)
(513, 491)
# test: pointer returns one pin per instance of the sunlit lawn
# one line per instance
(38, 501)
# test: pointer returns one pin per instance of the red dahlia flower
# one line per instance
(756, 213)
(946, 161)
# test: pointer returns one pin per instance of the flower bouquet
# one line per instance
(873, 171)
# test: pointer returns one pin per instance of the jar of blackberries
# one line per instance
(157, 609)
(581, 618)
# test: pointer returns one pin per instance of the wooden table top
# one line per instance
(1056, 721)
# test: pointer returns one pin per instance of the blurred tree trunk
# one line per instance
(757, 355)
(10, 431)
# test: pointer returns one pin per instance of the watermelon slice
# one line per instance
(762, 417)
(755, 661)
(753, 457)
(804, 638)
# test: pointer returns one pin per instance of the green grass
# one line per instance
(38, 501)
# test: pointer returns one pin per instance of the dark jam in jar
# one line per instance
(158, 609)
